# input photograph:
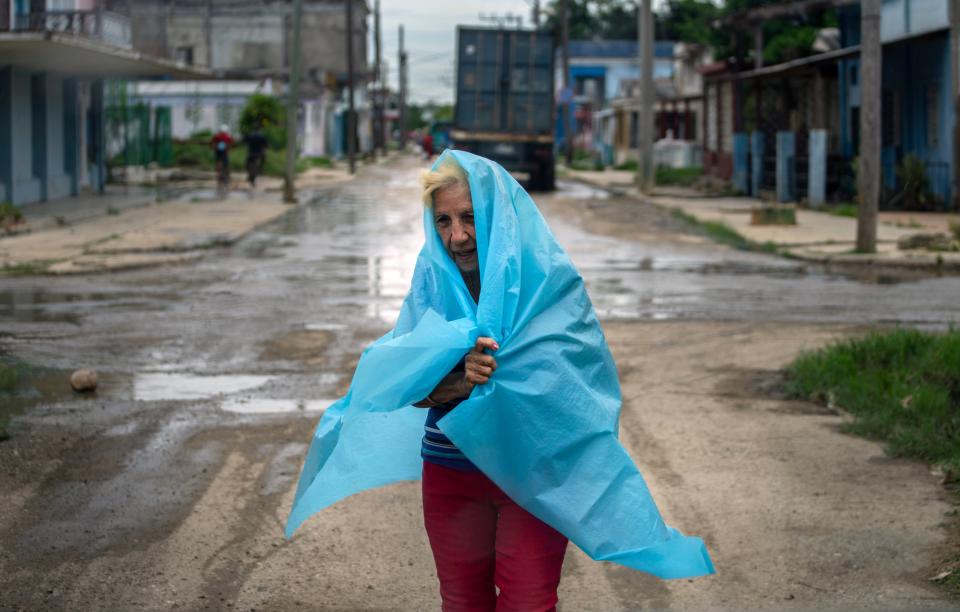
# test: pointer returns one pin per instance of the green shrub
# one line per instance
(915, 191)
(684, 177)
(10, 213)
(630, 164)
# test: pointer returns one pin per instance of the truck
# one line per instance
(504, 105)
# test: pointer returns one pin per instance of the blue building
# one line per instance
(598, 68)
(916, 108)
(52, 69)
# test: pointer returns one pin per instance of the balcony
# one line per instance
(106, 26)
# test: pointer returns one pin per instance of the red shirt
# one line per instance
(224, 138)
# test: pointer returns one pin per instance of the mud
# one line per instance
(169, 487)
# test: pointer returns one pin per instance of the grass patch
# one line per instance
(844, 210)
(630, 164)
(683, 177)
(724, 234)
(902, 387)
(26, 268)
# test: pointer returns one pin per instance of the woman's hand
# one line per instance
(478, 366)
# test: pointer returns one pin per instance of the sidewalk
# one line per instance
(129, 229)
(817, 236)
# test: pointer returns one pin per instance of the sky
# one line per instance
(430, 38)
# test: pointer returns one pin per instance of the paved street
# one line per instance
(170, 487)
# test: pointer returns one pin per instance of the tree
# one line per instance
(693, 21)
(690, 21)
(267, 113)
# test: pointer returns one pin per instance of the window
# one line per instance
(185, 55)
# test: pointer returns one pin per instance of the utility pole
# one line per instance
(870, 81)
(567, 93)
(647, 95)
(955, 93)
(536, 14)
(207, 31)
(378, 100)
(293, 104)
(351, 119)
(403, 93)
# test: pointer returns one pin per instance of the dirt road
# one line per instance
(170, 489)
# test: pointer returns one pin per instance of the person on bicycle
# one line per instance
(256, 153)
(221, 143)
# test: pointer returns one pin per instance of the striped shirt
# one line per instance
(436, 447)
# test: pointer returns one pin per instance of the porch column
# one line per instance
(97, 137)
(741, 170)
(756, 162)
(786, 171)
(817, 170)
(6, 141)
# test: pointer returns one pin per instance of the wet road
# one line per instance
(256, 339)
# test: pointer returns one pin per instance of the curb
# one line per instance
(923, 260)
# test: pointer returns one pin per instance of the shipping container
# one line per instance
(504, 100)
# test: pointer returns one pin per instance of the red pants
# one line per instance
(481, 539)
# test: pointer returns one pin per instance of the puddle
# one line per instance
(325, 326)
(37, 304)
(159, 386)
(275, 406)
(579, 191)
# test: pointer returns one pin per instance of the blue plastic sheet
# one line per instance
(544, 428)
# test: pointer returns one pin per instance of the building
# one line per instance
(53, 66)
(605, 83)
(247, 45)
(793, 128)
(917, 111)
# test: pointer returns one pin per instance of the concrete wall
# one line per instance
(261, 40)
(6, 145)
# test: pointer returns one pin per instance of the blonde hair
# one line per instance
(448, 174)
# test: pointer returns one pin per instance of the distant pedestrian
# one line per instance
(221, 143)
(427, 144)
(256, 154)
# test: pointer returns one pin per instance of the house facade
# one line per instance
(605, 83)
(54, 59)
(792, 128)
(251, 52)
(917, 113)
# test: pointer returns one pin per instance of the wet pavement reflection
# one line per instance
(266, 333)
(340, 267)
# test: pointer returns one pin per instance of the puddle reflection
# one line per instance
(275, 406)
(158, 386)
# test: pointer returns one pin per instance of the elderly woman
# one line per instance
(498, 338)
(479, 536)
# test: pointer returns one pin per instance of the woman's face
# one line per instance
(453, 217)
